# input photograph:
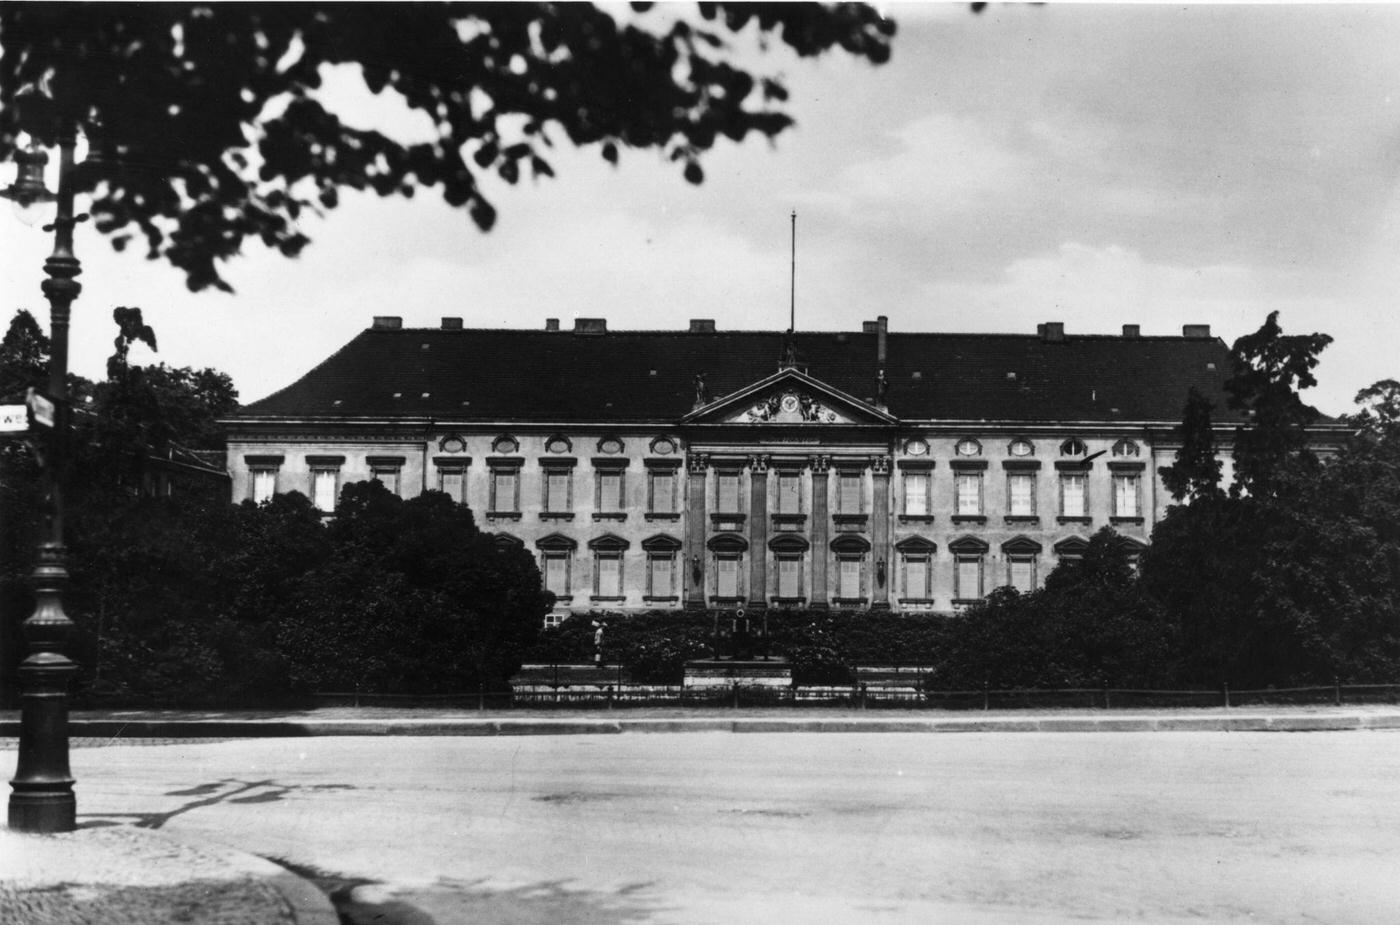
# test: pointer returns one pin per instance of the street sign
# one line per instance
(13, 419)
(41, 408)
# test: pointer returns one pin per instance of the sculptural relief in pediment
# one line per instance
(788, 407)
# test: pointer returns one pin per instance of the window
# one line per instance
(389, 478)
(1073, 447)
(608, 550)
(1073, 492)
(556, 573)
(505, 490)
(556, 562)
(789, 577)
(969, 557)
(663, 491)
(1020, 573)
(968, 447)
(609, 580)
(916, 489)
(663, 446)
(727, 575)
(727, 492)
(916, 568)
(1021, 555)
(849, 492)
(558, 444)
(557, 489)
(968, 488)
(1021, 448)
(660, 582)
(916, 447)
(1126, 495)
(789, 492)
(610, 490)
(727, 552)
(264, 485)
(453, 483)
(610, 445)
(1126, 448)
(323, 488)
(325, 481)
(1020, 490)
(505, 443)
(386, 469)
(851, 552)
(968, 579)
(848, 578)
(661, 551)
(262, 476)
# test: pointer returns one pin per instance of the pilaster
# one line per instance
(880, 532)
(697, 467)
(758, 531)
(821, 525)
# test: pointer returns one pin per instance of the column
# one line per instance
(880, 534)
(821, 524)
(758, 531)
(697, 466)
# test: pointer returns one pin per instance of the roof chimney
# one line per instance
(551, 324)
(1196, 331)
(1132, 330)
(882, 328)
(386, 323)
(1052, 332)
(702, 325)
(590, 325)
(452, 324)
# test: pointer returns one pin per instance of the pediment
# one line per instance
(788, 397)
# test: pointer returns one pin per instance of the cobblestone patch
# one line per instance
(119, 874)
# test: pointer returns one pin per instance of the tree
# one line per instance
(209, 133)
(1196, 473)
(1089, 626)
(412, 598)
(1269, 369)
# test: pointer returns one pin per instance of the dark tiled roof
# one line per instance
(649, 375)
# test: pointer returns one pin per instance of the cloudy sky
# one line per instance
(1096, 165)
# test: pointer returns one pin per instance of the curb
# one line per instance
(303, 899)
(269, 729)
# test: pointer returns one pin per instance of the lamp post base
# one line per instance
(46, 811)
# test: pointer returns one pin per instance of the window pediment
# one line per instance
(917, 545)
(968, 544)
(661, 542)
(727, 542)
(556, 542)
(608, 542)
(1021, 545)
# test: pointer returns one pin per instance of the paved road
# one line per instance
(709, 828)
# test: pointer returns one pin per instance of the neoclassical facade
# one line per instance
(702, 469)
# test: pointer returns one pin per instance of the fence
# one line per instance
(621, 694)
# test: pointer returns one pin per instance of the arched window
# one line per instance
(1074, 447)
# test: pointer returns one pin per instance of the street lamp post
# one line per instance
(42, 799)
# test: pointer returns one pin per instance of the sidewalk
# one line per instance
(124, 875)
(119, 725)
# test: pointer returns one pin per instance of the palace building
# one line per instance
(700, 468)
